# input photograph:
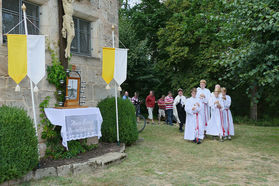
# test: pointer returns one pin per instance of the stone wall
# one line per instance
(102, 14)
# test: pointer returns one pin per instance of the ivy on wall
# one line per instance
(56, 73)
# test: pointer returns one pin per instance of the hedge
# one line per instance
(128, 132)
(18, 143)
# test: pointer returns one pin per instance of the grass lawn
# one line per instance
(165, 158)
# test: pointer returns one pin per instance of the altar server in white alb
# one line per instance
(216, 123)
(204, 95)
(194, 127)
(228, 120)
(218, 87)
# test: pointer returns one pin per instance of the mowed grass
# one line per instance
(165, 158)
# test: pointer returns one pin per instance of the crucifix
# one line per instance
(66, 30)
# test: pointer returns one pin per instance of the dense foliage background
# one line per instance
(175, 43)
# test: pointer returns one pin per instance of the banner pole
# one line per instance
(116, 111)
(31, 84)
(112, 36)
(115, 91)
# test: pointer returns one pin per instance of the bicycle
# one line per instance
(142, 121)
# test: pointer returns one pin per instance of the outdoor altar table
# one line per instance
(76, 123)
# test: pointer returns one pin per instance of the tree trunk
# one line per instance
(253, 104)
(62, 41)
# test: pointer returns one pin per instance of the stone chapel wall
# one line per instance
(101, 14)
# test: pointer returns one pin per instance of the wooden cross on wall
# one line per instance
(62, 41)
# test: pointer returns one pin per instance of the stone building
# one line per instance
(93, 22)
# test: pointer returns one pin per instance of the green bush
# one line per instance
(128, 132)
(18, 143)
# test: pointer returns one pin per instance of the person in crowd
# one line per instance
(228, 120)
(179, 105)
(204, 95)
(216, 123)
(194, 126)
(150, 104)
(162, 108)
(169, 108)
(126, 95)
(136, 103)
(175, 114)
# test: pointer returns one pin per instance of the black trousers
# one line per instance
(181, 115)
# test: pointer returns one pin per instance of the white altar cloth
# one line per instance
(76, 123)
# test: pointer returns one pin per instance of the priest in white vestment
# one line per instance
(194, 128)
(228, 120)
(204, 95)
(216, 123)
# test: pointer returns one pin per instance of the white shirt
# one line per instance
(179, 98)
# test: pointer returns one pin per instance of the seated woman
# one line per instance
(228, 120)
(216, 123)
(194, 127)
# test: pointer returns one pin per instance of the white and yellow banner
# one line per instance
(26, 56)
(114, 65)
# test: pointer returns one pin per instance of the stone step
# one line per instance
(108, 158)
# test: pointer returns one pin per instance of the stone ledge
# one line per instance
(108, 158)
(41, 173)
(65, 170)
(90, 165)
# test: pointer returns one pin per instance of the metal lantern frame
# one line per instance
(82, 86)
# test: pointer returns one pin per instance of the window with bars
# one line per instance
(12, 15)
(81, 43)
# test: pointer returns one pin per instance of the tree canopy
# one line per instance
(175, 43)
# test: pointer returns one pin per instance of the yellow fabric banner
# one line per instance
(17, 57)
(108, 64)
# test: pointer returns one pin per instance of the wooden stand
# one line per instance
(72, 91)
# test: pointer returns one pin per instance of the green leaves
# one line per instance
(138, 31)
(190, 43)
(128, 132)
(18, 143)
(179, 42)
(255, 53)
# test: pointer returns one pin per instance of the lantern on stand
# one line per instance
(74, 89)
